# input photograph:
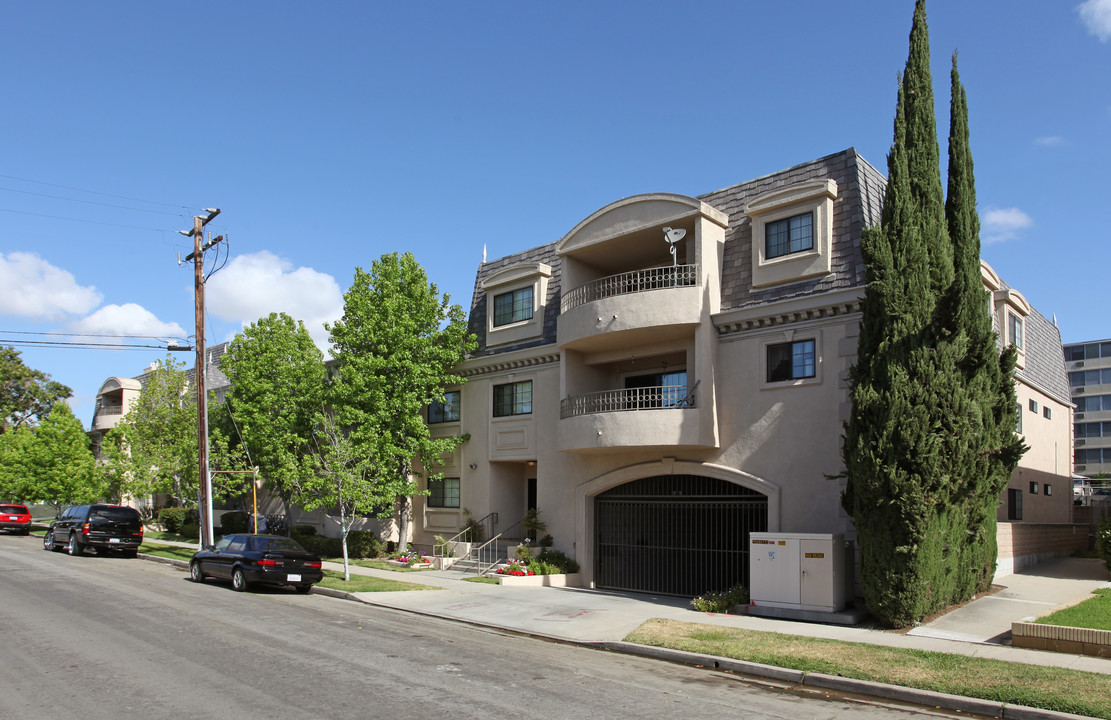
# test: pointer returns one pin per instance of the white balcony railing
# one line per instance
(660, 278)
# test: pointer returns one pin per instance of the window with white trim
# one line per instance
(1014, 330)
(513, 306)
(446, 410)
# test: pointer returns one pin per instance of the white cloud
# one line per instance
(33, 288)
(253, 286)
(1050, 141)
(1096, 15)
(1002, 224)
(129, 320)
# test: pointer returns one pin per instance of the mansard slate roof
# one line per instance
(859, 200)
(860, 189)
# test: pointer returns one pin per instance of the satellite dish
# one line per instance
(671, 237)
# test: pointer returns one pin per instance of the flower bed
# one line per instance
(411, 559)
(515, 568)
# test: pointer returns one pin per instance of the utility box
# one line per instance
(798, 571)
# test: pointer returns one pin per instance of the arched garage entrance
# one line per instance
(675, 534)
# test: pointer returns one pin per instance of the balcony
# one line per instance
(660, 278)
(641, 306)
(661, 417)
(641, 398)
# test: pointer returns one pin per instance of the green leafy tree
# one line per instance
(17, 475)
(160, 436)
(924, 448)
(61, 462)
(342, 480)
(26, 395)
(395, 347)
(277, 388)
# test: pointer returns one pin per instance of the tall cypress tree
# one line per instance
(993, 449)
(915, 417)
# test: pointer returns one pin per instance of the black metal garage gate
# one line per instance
(675, 534)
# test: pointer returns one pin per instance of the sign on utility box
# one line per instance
(799, 571)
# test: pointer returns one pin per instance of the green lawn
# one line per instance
(1094, 613)
(367, 583)
(482, 579)
(375, 564)
(166, 551)
(1048, 688)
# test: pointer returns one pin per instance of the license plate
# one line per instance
(113, 540)
(293, 578)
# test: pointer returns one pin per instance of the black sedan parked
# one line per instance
(265, 559)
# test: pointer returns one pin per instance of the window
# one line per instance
(443, 493)
(1033, 488)
(1018, 413)
(446, 411)
(1093, 403)
(791, 361)
(1047, 413)
(1014, 330)
(1048, 489)
(658, 390)
(513, 399)
(1033, 406)
(1014, 504)
(513, 306)
(789, 235)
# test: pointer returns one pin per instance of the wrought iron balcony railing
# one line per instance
(645, 398)
(109, 409)
(660, 278)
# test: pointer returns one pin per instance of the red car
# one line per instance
(15, 518)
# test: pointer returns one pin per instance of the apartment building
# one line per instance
(1089, 369)
(672, 375)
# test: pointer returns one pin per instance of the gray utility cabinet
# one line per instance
(799, 571)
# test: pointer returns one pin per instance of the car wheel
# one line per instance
(238, 580)
(196, 574)
(26, 532)
(48, 541)
(303, 589)
(74, 547)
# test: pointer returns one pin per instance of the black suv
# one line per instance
(104, 528)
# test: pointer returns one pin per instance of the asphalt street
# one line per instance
(94, 637)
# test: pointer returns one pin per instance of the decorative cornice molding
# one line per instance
(774, 319)
(496, 366)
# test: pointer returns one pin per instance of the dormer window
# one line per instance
(1014, 330)
(515, 298)
(792, 232)
(790, 235)
(513, 306)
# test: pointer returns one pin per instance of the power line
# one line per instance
(95, 192)
(82, 334)
(78, 345)
(93, 202)
(90, 222)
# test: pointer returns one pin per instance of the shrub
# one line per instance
(234, 522)
(300, 532)
(523, 553)
(559, 560)
(442, 548)
(1103, 541)
(473, 529)
(363, 544)
(721, 601)
(322, 546)
(172, 518)
(190, 531)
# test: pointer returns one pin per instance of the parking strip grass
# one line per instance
(1048, 688)
(1093, 613)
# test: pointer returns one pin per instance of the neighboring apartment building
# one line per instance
(658, 400)
(1089, 368)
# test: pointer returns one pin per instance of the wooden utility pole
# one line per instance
(200, 372)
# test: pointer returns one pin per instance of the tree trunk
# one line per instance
(404, 505)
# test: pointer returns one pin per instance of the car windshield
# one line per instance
(275, 544)
(115, 513)
(13, 509)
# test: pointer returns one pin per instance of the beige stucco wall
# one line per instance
(1048, 461)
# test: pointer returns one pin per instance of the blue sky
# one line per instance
(330, 133)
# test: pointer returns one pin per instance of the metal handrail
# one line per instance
(487, 521)
(660, 397)
(489, 554)
(658, 278)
